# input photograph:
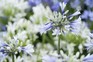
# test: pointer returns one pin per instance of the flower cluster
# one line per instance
(46, 31)
(59, 22)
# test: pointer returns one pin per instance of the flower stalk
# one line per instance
(59, 44)
(13, 58)
(43, 40)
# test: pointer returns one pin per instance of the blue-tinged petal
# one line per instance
(34, 2)
(56, 6)
(49, 2)
(2, 50)
(88, 58)
(66, 1)
(89, 46)
(46, 27)
(2, 57)
(2, 44)
(75, 4)
(85, 14)
(2, 27)
(48, 58)
(63, 5)
(75, 25)
(56, 31)
(76, 13)
(89, 3)
(27, 49)
(91, 15)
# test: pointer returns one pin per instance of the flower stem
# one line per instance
(7, 60)
(59, 44)
(43, 40)
(13, 59)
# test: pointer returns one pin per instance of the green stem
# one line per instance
(7, 60)
(43, 39)
(59, 44)
(32, 38)
(13, 59)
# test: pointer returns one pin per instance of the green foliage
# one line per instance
(72, 38)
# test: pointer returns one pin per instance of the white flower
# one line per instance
(88, 58)
(56, 31)
(27, 49)
(62, 5)
(76, 13)
(48, 58)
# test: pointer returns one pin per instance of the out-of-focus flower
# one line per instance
(75, 4)
(12, 9)
(56, 31)
(89, 3)
(58, 21)
(89, 46)
(3, 48)
(2, 44)
(88, 58)
(74, 14)
(56, 6)
(87, 15)
(40, 17)
(91, 15)
(62, 6)
(48, 58)
(66, 1)
(2, 57)
(80, 28)
(2, 27)
(75, 25)
(46, 27)
(27, 49)
(49, 2)
(34, 2)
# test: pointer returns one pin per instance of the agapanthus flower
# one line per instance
(37, 2)
(91, 15)
(4, 50)
(2, 27)
(46, 27)
(59, 21)
(75, 26)
(88, 58)
(2, 44)
(34, 2)
(48, 58)
(62, 5)
(89, 46)
(66, 1)
(3, 47)
(75, 4)
(49, 2)
(89, 3)
(12, 9)
(74, 14)
(87, 15)
(55, 7)
(2, 56)
(58, 5)
(26, 49)
(91, 35)
(56, 31)
(14, 46)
